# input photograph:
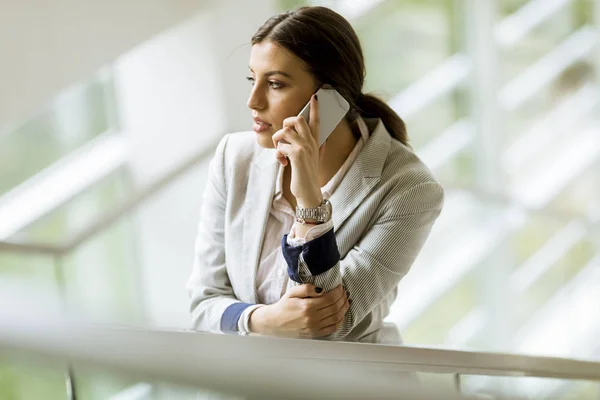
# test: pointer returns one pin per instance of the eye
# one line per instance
(250, 79)
(275, 84)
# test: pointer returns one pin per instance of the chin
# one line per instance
(265, 140)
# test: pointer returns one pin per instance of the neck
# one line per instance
(339, 146)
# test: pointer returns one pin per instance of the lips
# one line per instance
(260, 121)
(260, 125)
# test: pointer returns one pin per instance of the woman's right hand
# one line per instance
(302, 312)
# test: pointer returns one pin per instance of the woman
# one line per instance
(260, 269)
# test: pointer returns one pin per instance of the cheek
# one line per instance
(284, 108)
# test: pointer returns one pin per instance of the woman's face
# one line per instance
(281, 87)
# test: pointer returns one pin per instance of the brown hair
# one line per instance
(327, 43)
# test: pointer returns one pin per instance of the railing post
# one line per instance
(62, 292)
(481, 19)
(595, 208)
(457, 383)
(493, 277)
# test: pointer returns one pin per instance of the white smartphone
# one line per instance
(332, 108)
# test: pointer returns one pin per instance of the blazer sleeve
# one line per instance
(213, 305)
(374, 266)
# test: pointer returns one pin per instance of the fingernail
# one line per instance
(318, 290)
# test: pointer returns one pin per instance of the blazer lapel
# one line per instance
(259, 196)
(362, 177)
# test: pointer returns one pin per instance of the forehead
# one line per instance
(268, 56)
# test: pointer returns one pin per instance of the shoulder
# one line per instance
(412, 185)
(405, 168)
(238, 149)
(237, 144)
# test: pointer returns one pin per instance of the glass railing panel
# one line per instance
(100, 384)
(552, 280)
(430, 123)
(399, 46)
(531, 237)
(34, 269)
(165, 390)
(98, 278)
(582, 391)
(102, 280)
(442, 381)
(460, 171)
(74, 117)
(31, 380)
(76, 214)
(500, 387)
(563, 105)
(432, 326)
(581, 197)
(543, 37)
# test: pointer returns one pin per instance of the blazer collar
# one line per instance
(372, 157)
(363, 176)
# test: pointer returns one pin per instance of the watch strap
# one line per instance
(316, 215)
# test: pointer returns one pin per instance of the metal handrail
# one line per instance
(104, 221)
(516, 26)
(506, 200)
(189, 349)
(32, 248)
(252, 367)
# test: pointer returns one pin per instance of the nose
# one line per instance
(257, 99)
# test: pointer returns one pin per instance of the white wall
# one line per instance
(47, 45)
(177, 94)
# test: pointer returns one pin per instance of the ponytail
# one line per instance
(369, 106)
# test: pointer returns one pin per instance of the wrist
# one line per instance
(312, 202)
(258, 320)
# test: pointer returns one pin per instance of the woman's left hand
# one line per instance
(299, 142)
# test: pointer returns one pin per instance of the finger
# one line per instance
(333, 295)
(303, 291)
(332, 309)
(299, 125)
(328, 330)
(286, 135)
(283, 160)
(333, 323)
(283, 152)
(329, 298)
(305, 335)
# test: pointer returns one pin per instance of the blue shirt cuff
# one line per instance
(231, 315)
(320, 255)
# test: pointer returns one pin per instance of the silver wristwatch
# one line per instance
(316, 215)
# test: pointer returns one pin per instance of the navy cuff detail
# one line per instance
(231, 315)
(320, 255)
(291, 255)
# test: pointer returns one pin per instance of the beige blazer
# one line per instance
(383, 211)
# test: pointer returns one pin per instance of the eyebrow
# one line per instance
(270, 73)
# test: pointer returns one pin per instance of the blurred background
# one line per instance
(110, 112)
